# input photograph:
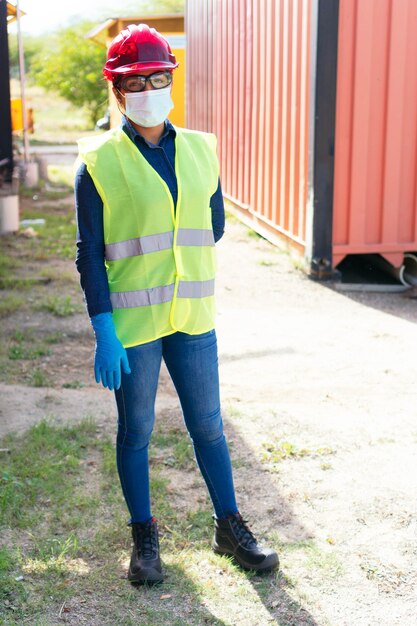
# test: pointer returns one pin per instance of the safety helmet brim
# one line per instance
(138, 48)
(135, 68)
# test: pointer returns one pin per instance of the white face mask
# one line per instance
(149, 108)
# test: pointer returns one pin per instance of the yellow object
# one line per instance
(17, 115)
(177, 43)
(160, 259)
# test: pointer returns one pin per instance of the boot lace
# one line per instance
(146, 539)
(242, 532)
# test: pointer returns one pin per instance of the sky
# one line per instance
(49, 15)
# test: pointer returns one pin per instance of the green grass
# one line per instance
(61, 175)
(74, 384)
(59, 276)
(178, 450)
(53, 452)
(9, 304)
(7, 264)
(267, 263)
(61, 306)
(18, 283)
(38, 378)
(55, 337)
(281, 450)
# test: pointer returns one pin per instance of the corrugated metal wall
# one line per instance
(248, 81)
(375, 189)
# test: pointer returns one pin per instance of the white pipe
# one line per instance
(406, 274)
(408, 271)
(22, 86)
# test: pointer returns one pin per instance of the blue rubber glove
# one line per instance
(110, 355)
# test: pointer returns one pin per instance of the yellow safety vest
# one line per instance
(160, 261)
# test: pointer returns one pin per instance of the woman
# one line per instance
(149, 210)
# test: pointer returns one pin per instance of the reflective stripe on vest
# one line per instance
(159, 295)
(162, 241)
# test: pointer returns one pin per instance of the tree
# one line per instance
(32, 48)
(72, 67)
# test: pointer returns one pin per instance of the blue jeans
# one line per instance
(193, 366)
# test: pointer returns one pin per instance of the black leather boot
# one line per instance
(233, 537)
(145, 564)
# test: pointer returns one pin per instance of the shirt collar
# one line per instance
(133, 134)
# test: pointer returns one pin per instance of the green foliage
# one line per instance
(32, 48)
(72, 67)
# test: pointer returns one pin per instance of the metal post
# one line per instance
(6, 144)
(321, 263)
(22, 86)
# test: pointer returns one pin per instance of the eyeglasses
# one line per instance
(158, 80)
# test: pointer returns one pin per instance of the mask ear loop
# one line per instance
(118, 102)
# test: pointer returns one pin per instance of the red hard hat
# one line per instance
(137, 48)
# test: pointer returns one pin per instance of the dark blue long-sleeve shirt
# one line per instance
(89, 211)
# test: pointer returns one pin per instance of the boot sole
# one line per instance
(152, 577)
(268, 565)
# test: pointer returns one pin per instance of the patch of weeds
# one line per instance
(389, 578)
(231, 218)
(29, 192)
(267, 263)
(184, 453)
(21, 335)
(253, 234)
(165, 439)
(62, 175)
(32, 474)
(108, 463)
(298, 263)
(234, 411)
(20, 352)
(52, 550)
(56, 194)
(302, 544)
(282, 450)
(61, 306)
(180, 451)
(198, 526)
(10, 304)
(12, 592)
(17, 283)
(75, 384)
(159, 490)
(326, 562)
(238, 462)
(38, 378)
(57, 275)
(55, 337)
(25, 348)
(55, 239)
(326, 466)
(7, 264)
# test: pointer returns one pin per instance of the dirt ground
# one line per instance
(327, 377)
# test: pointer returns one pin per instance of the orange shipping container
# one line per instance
(313, 103)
